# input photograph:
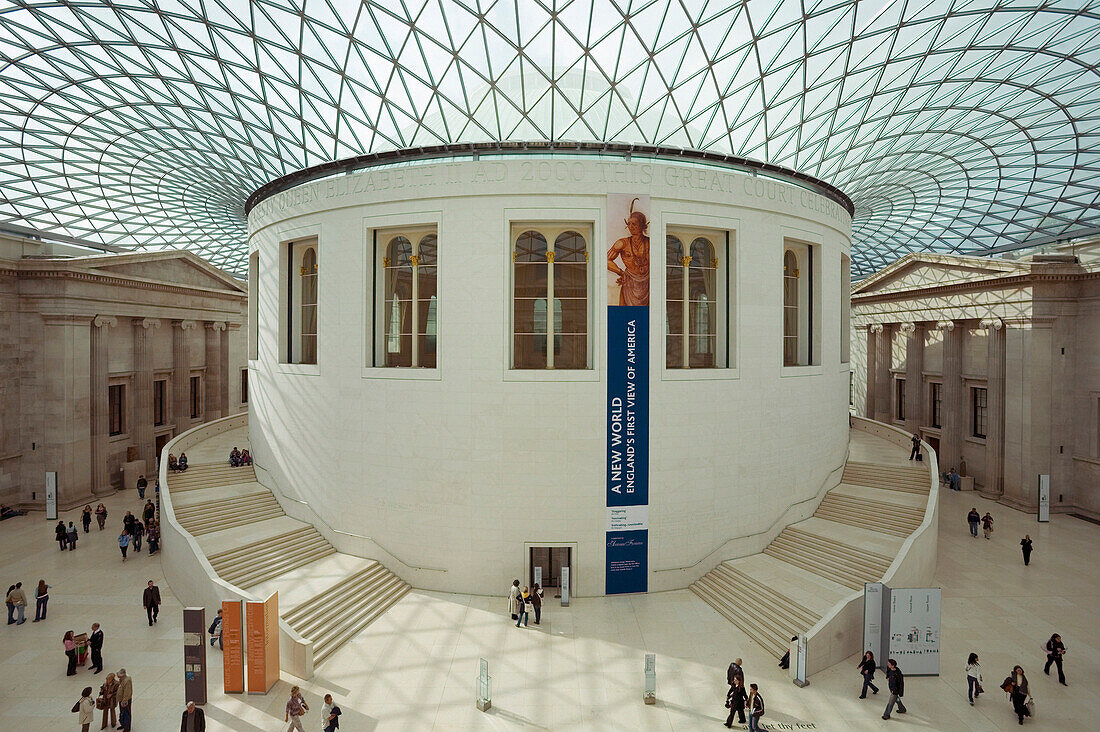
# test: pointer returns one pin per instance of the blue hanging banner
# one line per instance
(627, 555)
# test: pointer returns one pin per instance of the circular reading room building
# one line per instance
(604, 366)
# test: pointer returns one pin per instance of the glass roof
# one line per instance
(954, 125)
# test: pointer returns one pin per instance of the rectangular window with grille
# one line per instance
(116, 409)
(978, 397)
(160, 392)
(899, 399)
(696, 298)
(936, 402)
(244, 386)
(196, 397)
(407, 307)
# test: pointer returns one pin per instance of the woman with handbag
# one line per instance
(1017, 689)
(70, 651)
(973, 678)
(85, 707)
(108, 700)
(867, 669)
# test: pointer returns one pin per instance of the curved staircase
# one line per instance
(326, 596)
(852, 538)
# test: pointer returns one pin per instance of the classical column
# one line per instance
(914, 365)
(214, 372)
(883, 380)
(100, 402)
(872, 372)
(181, 375)
(953, 407)
(995, 407)
(143, 391)
(225, 374)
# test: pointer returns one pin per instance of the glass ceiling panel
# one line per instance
(953, 126)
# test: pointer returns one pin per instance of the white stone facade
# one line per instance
(461, 467)
(73, 327)
(1026, 331)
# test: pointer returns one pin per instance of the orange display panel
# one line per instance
(233, 646)
(263, 644)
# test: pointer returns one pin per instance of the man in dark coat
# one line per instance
(151, 600)
(896, 679)
(194, 719)
(96, 642)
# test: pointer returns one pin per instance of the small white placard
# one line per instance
(627, 518)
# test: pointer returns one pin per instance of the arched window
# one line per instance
(308, 324)
(550, 265)
(410, 300)
(695, 308)
(790, 309)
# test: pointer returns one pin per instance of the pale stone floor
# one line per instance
(415, 668)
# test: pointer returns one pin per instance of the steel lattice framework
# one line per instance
(954, 125)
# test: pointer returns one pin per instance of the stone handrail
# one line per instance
(186, 568)
(839, 633)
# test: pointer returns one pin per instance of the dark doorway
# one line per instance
(934, 443)
(550, 559)
(162, 440)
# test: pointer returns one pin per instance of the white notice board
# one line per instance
(915, 630)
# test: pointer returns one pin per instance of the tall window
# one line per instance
(116, 409)
(801, 293)
(253, 305)
(845, 308)
(410, 263)
(244, 386)
(978, 397)
(899, 399)
(696, 333)
(935, 396)
(550, 266)
(300, 303)
(196, 397)
(160, 392)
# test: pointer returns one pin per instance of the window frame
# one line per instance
(381, 237)
(116, 410)
(588, 226)
(808, 249)
(291, 253)
(244, 386)
(253, 305)
(722, 241)
(163, 402)
(899, 398)
(979, 412)
(935, 404)
(195, 395)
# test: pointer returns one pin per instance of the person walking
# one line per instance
(72, 535)
(330, 715)
(151, 600)
(987, 524)
(61, 536)
(125, 698)
(513, 592)
(736, 699)
(536, 602)
(1025, 547)
(85, 707)
(153, 537)
(896, 679)
(867, 669)
(10, 604)
(41, 599)
(101, 516)
(86, 518)
(973, 518)
(70, 651)
(123, 543)
(523, 607)
(295, 707)
(95, 640)
(149, 512)
(137, 530)
(1055, 650)
(973, 678)
(914, 454)
(108, 692)
(735, 672)
(17, 604)
(1016, 686)
(755, 706)
(142, 484)
(215, 630)
(194, 719)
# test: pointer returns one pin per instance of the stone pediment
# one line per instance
(180, 268)
(917, 272)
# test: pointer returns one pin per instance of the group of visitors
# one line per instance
(177, 465)
(75, 646)
(16, 600)
(895, 681)
(973, 518)
(1016, 684)
(239, 458)
(296, 708)
(117, 692)
(522, 601)
(135, 529)
(740, 700)
(66, 536)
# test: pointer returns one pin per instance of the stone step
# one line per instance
(389, 594)
(263, 571)
(263, 544)
(737, 615)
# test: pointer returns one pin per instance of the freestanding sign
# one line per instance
(565, 586)
(538, 575)
(233, 646)
(628, 262)
(915, 630)
(51, 496)
(194, 655)
(1044, 498)
(876, 620)
(263, 644)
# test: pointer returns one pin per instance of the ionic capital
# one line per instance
(907, 328)
(104, 321)
(874, 328)
(147, 323)
(184, 324)
(946, 325)
(215, 325)
(992, 323)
